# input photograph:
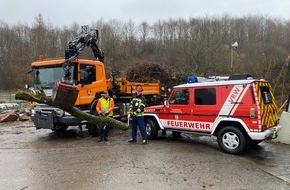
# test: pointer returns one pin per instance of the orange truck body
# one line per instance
(127, 87)
(89, 77)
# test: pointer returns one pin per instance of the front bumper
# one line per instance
(50, 120)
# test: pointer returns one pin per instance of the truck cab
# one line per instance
(88, 76)
(239, 113)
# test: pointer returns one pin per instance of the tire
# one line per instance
(60, 128)
(151, 129)
(254, 142)
(231, 140)
(92, 107)
(92, 130)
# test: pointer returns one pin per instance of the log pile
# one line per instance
(14, 115)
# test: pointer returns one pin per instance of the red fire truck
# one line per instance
(239, 113)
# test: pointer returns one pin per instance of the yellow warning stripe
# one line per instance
(268, 112)
(258, 107)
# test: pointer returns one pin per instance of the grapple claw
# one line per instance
(64, 94)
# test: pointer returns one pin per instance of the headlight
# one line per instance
(36, 109)
(33, 111)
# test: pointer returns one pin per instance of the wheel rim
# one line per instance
(148, 129)
(231, 140)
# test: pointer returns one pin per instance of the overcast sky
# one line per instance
(65, 12)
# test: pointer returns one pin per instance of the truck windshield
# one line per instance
(48, 75)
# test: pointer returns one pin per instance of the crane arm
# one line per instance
(87, 37)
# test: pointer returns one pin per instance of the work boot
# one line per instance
(106, 137)
(144, 142)
(132, 141)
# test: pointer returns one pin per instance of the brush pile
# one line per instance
(153, 72)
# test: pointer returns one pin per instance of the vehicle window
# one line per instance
(46, 76)
(205, 96)
(180, 97)
(266, 95)
(88, 74)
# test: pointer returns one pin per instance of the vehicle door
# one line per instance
(205, 108)
(87, 78)
(178, 113)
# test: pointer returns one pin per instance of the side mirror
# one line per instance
(166, 104)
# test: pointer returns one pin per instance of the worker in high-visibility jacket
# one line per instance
(105, 107)
(136, 110)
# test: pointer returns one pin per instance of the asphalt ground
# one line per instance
(271, 157)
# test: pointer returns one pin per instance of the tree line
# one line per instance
(186, 47)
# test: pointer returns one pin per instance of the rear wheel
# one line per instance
(254, 142)
(231, 140)
(151, 129)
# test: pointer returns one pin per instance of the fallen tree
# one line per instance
(41, 98)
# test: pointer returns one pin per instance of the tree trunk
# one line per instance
(40, 97)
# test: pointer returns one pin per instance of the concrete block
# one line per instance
(284, 133)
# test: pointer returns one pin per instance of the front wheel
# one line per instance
(151, 129)
(231, 140)
(92, 129)
(60, 128)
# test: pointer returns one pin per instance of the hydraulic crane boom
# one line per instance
(87, 37)
(64, 93)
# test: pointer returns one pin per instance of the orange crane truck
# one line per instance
(88, 78)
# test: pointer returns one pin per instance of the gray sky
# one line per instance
(65, 12)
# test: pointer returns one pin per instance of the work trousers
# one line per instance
(139, 121)
(103, 130)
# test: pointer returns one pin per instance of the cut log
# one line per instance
(8, 116)
(41, 98)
